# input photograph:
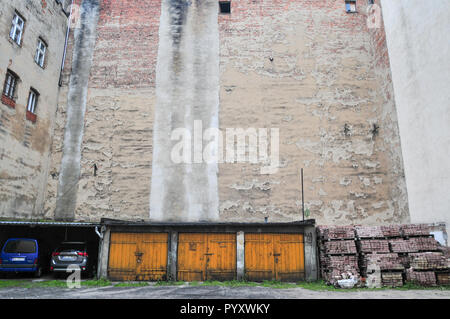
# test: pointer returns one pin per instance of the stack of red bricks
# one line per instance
(391, 253)
(375, 253)
(429, 269)
(412, 245)
(338, 252)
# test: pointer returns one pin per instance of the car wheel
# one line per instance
(38, 272)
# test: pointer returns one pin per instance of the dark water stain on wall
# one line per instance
(69, 176)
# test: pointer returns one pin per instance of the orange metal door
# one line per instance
(152, 257)
(289, 257)
(204, 256)
(221, 257)
(122, 260)
(191, 257)
(274, 257)
(259, 261)
(135, 256)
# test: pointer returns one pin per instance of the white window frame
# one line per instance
(18, 24)
(10, 85)
(350, 6)
(32, 101)
(40, 53)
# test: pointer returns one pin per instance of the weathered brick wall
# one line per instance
(327, 88)
(24, 145)
(305, 67)
(118, 120)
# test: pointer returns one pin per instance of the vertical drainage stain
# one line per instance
(187, 90)
(84, 45)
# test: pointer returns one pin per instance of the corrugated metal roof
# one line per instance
(32, 223)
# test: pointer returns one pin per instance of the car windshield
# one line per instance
(71, 247)
(20, 246)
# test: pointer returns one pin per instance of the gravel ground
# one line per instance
(211, 292)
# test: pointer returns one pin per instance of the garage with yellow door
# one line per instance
(138, 256)
(206, 256)
(277, 257)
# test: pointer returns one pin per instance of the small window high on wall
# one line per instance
(225, 7)
(350, 6)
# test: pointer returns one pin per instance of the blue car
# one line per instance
(20, 255)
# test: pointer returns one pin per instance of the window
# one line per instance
(225, 7)
(350, 6)
(40, 53)
(20, 246)
(9, 88)
(17, 29)
(32, 101)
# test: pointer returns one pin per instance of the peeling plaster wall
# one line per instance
(118, 122)
(328, 89)
(24, 145)
(84, 41)
(187, 90)
(311, 70)
(419, 49)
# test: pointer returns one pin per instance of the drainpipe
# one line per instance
(99, 234)
(65, 44)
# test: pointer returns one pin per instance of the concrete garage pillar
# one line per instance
(240, 255)
(311, 259)
(102, 266)
(172, 256)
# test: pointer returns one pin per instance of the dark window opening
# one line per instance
(9, 88)
(225, 7)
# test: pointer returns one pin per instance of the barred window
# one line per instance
(9, 87)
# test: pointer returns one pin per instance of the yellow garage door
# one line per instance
(206, 256)
(135, 256)
(274, 257)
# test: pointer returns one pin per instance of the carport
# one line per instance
(50, 234)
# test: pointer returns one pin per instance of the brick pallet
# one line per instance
(429, 261)
(338, 253)
(423, 278)
(386, 254)
(443, 278)
(392, 279)
(374, 246)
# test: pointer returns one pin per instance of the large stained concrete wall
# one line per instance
(187, 90)
(315, 72)
(24, 145)
(419, 49)
(308, 68)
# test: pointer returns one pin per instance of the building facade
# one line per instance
(313, 71)
(314, 76)
(32, 37)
